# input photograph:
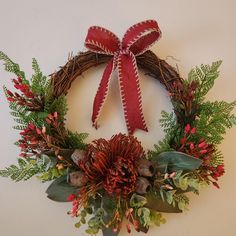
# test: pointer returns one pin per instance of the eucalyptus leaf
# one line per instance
(144, 216)
(169, 196)
(174, 161)
(137, 200)
(94, 222)
(156, 203)
(60, 189)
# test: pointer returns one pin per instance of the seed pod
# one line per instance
(78, 179)
(142, 185)
(145, 168)
(78, 155)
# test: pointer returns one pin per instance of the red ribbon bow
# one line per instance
(137, 39)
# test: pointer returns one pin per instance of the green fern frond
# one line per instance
(167, 121)
(217, 158)
(11, 66)
(38, 80)
(24, 171)
(20, 115)
(48, 96)
(27, 168)
(19, 127)
(19, 121)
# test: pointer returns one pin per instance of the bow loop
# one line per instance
(136, 40)
(140, 37)
(101, 40)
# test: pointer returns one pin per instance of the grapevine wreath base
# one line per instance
(111, 180)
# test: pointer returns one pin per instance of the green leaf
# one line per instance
(183, 183)
(60, 189)
(169, 196)
(174, 161)
(144, 216)
(109, 205)
(156, 203)
(92, 231)
(157, 218)
(78, 225)
(137, 201)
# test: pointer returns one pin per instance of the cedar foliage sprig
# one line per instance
(213, 120)
(169, 124)
(205, 76)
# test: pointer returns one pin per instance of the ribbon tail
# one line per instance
(130, 92)
(102, 92)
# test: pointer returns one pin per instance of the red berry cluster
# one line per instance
(201, 150)
(28, 99)
(183, 96)
(181, 92)
(32, 141)
(36, 140)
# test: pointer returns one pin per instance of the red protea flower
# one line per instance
(113, 163)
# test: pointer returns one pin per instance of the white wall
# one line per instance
(194, 32)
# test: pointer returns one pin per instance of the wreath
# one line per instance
(108, 181)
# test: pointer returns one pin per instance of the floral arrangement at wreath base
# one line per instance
(111, 180)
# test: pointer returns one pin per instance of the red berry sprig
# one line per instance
(27, 98)
(202, 150)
